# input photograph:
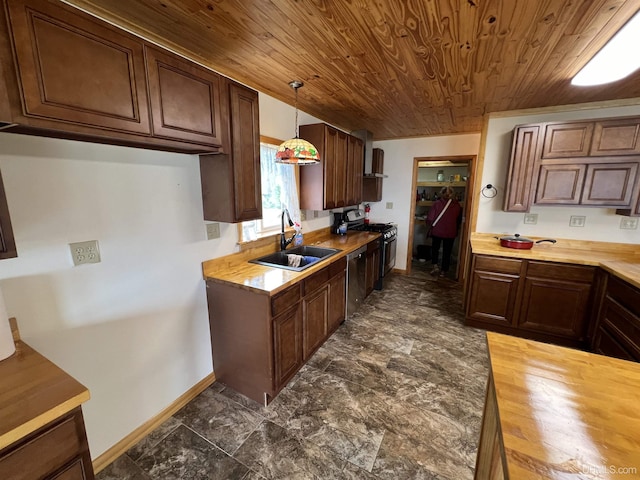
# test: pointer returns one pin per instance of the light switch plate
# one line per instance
(628, 223)
(530, 218)
(577, 220)
(389, 205)
(85, 252)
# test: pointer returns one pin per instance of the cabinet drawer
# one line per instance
(607, 345)
(316, 280)
(624, 294)
(46, 451)
(575, 273)
(337, 267)
(283, 300)
(622, 325)
(497, 264)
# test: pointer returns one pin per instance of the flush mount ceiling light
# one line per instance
(617, 59)
(297, 151)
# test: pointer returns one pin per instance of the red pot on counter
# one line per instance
(523, 243)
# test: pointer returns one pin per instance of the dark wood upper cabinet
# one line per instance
(66, 74)
(185, 99)
(231, 183)
(590, 163)
(76, 69)
(332, 182)
(7, 242)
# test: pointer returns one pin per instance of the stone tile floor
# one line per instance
(396, 393)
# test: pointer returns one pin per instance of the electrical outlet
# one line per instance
(530, 218)
(628, 223)
(315, 214)
(213, 230)
(85, 252)
(577, 221)
(389, 205)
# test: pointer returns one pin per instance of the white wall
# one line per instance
(133, 328)
(397, 187)
(601, 224)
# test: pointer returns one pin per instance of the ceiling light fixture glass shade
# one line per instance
(297, 151)
(616, 60)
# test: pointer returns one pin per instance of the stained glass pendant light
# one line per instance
(297, 151)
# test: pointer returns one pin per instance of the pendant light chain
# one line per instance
(296, 133)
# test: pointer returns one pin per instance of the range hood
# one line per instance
(367, 137)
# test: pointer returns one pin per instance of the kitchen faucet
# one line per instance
(283, 239)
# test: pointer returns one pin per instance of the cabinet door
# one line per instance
(560, 184)
(77, 69)
(315, 314)
(556, 299)
(567, 140)
(245, 150)
(7, 242)
(287, 345)
(493, 290)
(335, 168)
(555, 307)
(337, 300)
(524, 154)
(616, 137)
(355, 168)
(609, 184)
(185, 99)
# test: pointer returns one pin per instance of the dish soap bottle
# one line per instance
(297, 239)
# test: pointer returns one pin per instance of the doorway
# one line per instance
(430, 174)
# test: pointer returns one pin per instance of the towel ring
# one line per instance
(489, 191)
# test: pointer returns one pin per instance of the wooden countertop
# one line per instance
(620, 259)
(236, 269)
(33, 392)
(564, 413)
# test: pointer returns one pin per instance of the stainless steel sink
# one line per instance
(310, 253)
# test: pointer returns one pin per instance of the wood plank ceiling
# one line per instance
(399, 68)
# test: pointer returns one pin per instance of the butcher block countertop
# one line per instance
(235, 269)
(33, 393)
(620, 259)
(563, 413)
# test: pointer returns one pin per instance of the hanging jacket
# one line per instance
(447, 226)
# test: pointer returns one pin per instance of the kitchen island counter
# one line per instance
(620, 259)
(553, 412)
(236, 270)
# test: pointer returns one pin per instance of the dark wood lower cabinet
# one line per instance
(259, 341)
(618, 330)
(541, 300)
(58, 451)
